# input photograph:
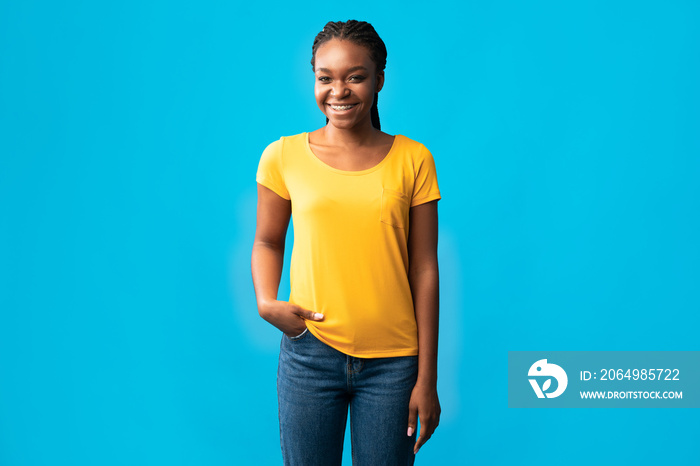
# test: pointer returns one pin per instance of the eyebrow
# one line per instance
(354, 68)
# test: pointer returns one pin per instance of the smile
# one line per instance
(342, 107)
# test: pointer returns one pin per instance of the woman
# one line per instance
(360, 328)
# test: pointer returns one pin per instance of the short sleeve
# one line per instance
(271, 170)
(425, 188)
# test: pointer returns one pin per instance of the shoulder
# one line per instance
(295, 137)
(283, 140)
(285, 144)
(417, 150)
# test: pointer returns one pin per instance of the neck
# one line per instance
(359, 135)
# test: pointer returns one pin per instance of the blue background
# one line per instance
(566, 138)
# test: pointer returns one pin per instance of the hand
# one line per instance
(287, 317)
(424, 404)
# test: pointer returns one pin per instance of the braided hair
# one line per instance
(360, 33)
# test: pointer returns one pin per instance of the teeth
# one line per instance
(341, 107)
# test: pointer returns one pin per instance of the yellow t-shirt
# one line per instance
(350, 255)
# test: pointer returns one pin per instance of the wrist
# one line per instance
(427, 380)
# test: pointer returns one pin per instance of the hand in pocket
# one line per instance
(287, 317)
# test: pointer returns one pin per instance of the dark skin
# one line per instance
(346, 76)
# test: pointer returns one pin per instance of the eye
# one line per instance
(324, 79)
(356, 78)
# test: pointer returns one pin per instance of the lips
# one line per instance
(341, 107)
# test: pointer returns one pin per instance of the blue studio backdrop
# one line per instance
(567, 144)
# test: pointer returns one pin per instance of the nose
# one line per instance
(339, 89)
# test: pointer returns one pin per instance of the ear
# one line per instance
(380, 81)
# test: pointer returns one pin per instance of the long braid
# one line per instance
(360, 33)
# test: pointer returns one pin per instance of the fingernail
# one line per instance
(318, 316)
(410, 431)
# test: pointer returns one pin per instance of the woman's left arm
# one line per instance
(424, 281)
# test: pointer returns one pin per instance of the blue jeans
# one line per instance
(316, 385)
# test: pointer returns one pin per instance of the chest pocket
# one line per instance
(395, 207)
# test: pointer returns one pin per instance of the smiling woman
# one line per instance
(347, 82)
(360, 327)
(356, 33)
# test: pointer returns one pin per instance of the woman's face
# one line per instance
(346, 80)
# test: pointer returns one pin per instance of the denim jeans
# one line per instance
(316, 385)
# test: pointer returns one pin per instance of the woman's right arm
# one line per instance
(266, 263)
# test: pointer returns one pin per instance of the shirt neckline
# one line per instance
(351, 172)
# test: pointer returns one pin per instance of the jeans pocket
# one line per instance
(298, 337)
(395, 207)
